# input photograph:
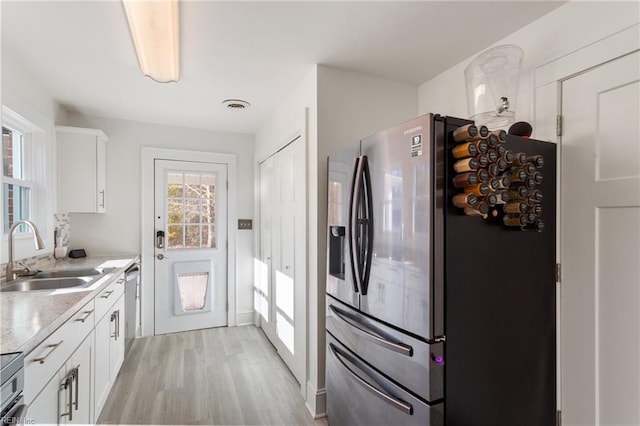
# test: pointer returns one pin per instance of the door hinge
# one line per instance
(559, 418)
(558, 125)
(558, 273)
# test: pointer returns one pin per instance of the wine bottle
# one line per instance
(466, 165)
(538, 160)
(464, 200)
(493, 170)
(501, 150)
(515, 207)
(479, 189)
(465, 132)
(514, 219)
(465, 179)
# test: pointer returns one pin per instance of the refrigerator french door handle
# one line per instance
(368, 224)
(354, 228)
(361, 329)
(394, 402)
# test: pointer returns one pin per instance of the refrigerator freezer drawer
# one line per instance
(419, 366)
(358, 395)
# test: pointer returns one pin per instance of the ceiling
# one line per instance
(256, 51)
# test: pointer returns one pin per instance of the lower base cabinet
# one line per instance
(67, 386)
(109, 335)
(66, 399)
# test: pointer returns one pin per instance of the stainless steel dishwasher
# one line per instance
(131, 304)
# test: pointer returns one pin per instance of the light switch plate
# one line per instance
(245, 224)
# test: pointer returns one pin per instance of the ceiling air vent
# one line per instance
(236, 104)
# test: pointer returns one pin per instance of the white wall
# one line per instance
(564, 30)
(25, 95)
(118, 230)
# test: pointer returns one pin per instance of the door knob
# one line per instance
(161, 256)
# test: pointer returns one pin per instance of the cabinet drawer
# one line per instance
(108, 297)
(45, 360)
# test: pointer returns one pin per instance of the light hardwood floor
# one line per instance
(220, 376)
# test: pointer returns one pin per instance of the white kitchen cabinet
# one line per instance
(44, 408)
(82, 179)
(66, 399)
(109, 335)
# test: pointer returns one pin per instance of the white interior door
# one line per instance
(600, 245)
(191, 245)
(283, 254)
(264, 274)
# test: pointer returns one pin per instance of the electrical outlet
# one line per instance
(245, 224)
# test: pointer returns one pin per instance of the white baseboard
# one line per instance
(245, 318)
(316, 402)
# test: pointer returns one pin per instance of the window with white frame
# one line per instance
(17, 182)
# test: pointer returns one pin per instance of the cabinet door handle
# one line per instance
(76, 377)
(68, 385)
(52, 348)
(107, 294)
(115, 317)
(102, 198)
(84, 318)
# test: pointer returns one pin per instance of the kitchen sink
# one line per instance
(87, 272)
(47, 283)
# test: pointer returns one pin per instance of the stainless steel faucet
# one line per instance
(13, 273)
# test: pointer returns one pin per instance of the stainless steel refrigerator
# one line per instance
(434, 317)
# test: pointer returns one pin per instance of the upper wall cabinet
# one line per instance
(82, 178)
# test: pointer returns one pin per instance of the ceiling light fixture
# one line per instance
(155, 33)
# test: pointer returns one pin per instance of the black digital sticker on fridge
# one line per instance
(416, 145)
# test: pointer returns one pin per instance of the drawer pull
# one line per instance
(399, 404)
(83, 319)
(41, 360)
(361, 329)
(107, 294)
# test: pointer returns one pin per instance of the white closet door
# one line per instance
(283, 254)
(264, 266)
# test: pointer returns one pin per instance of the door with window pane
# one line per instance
(190, 245)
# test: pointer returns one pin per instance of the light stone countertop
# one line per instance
(29, 317)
